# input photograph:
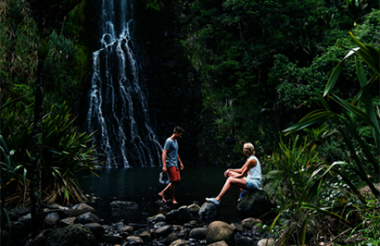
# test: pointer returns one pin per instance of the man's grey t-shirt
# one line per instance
(171, 156)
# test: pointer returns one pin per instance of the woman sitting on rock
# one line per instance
(237, 176)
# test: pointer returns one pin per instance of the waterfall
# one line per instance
(118, 109)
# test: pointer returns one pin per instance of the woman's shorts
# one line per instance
(253, 184)
(174, 174)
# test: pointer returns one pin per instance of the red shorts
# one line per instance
(174, 174)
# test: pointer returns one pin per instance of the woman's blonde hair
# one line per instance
(249, 149)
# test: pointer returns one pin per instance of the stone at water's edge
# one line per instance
(73, 235)
(207, 211)
(194, 208)
(87, 218)
(266, 242)
(255, 203)
(219, 231)
(220, 243)
(157, 218)
(182, 214)
(198, 233)
(179, 242)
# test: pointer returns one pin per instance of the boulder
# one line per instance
(220, 243)
(266, 242)
(128, 229)
(73, 235)
(80, 209)
(66, 222)
(179, 242)
(207, 211)
(237, 227)
(41, 238)
(20, 211)
(26, 218)
(272, 180)
(13, 216)
(171, 238)
(157, 218)
(117, 226)
(133, 240)
(194, 209)
(87, 218)
(159, 224)
(179, 215)
(163, 231)
(219, 231)
(52, 219)
(198, 233)
(250, 222)
(96, 229)
(255, 203)
(54, 206)
(145, 236)
(123, 205)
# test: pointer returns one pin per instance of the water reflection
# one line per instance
(141, 185)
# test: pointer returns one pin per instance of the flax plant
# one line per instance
(307, 210)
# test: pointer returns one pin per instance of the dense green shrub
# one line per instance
(64, 151)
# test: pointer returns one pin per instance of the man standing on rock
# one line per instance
(170, 159)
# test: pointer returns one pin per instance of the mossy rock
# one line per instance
(272, 180)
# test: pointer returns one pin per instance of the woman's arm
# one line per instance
(239, 173)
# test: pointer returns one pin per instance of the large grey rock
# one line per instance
(87, 218)
(96, 229)
(80, 209)
(26, 218)
(219, 231)
(117, 226)
(66, 221)
(194, 208)
(145, 236)
(179, 242)
(41, 238)
(20, 210)
(128, 229)
(272, 181)
(157, 218)
(123, 205)
(52, 219)
(220, 243)
(266, 242)
(198, 233)
(133, 240)
(171, 238)
(250, 222)
(207, 211)
(73, 235)
(179, 215)
(255, 203)
(163, 231)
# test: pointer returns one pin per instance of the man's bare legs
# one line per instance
(239, 182)
(170, 186)
(162, 193)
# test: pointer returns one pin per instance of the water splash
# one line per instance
(118, 108)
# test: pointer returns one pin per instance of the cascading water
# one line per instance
(118, 109)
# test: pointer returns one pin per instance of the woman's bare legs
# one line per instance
(239, 182)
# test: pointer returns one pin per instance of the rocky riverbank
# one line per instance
(187, 225)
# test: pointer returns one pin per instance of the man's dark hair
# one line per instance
(178, 129)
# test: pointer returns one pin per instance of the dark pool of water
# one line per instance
(141, 185)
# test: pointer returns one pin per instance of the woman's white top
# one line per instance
(254, 172)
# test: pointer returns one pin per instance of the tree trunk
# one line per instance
(35, 184)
